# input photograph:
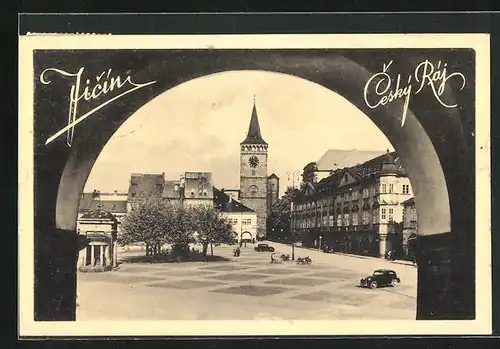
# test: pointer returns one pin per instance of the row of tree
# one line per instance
(156, 222)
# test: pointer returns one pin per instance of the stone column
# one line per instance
(92, 257)
(115, 253)
(101, 255)
(108, 260)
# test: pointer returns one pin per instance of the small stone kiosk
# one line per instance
(100, 227)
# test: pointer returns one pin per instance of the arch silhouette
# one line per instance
(246, 235)
(434, 146)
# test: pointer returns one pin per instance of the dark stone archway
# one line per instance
(436, 145)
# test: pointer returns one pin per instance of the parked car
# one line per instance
(380, 278)
(264, 248)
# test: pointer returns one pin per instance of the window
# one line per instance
(365, 193)
(346, 219)
(374, 218)
(384, 188)
(355, 195)
(391, 188)
(246, 221)
(233, 221)
(355, 219)
(384, 212)
(391, 215)
(406, 189)
(366, 217)
(331, 221)
(339, 220)
(413, 216)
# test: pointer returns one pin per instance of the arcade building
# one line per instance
(357, 210)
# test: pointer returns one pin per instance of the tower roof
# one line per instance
(254, 136)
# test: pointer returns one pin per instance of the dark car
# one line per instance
(264, 248)
(380, 278)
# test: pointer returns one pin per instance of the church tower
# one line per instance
(253, 172)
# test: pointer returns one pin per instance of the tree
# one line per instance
(210, 227)
(146, 223)
(280, 216)
(179, 227)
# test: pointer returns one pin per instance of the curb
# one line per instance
(401, 262)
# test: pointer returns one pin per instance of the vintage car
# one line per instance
(264, 248)
(380, 278)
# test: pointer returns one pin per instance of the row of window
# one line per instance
(385, 189)
(348, 219)
(244, 221)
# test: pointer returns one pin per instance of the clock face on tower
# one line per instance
(253, 161)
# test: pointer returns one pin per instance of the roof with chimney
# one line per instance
(143, 185)
(91, 201)
(388, 163)
(225, 203)
(254, 136)
(172, 190)
(198, 185)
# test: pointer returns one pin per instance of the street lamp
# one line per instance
(319, 247)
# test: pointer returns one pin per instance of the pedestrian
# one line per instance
(238, 251)
(272, 258)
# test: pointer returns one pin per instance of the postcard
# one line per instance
(290, 184)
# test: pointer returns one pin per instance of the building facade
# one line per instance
(356, 209)
(242, 218)
(100, 228)
(253, 172)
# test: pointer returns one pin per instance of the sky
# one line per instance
(198, 126)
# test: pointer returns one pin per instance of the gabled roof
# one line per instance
(273, 175)
(100, 215)
(87, 203)
(254, 136)
(224, 203)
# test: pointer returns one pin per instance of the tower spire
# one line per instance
(254, 136)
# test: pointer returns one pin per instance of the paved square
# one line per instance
(186, 284)
(238, 277)
(245, 288)
(274, 271)
(299, 281)
(187, 273)
(128, 279)
(223, 267)
(251, 290)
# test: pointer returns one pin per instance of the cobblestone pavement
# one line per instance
(247, 288)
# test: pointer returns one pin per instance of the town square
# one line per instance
(248, 287)
(187, 248)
